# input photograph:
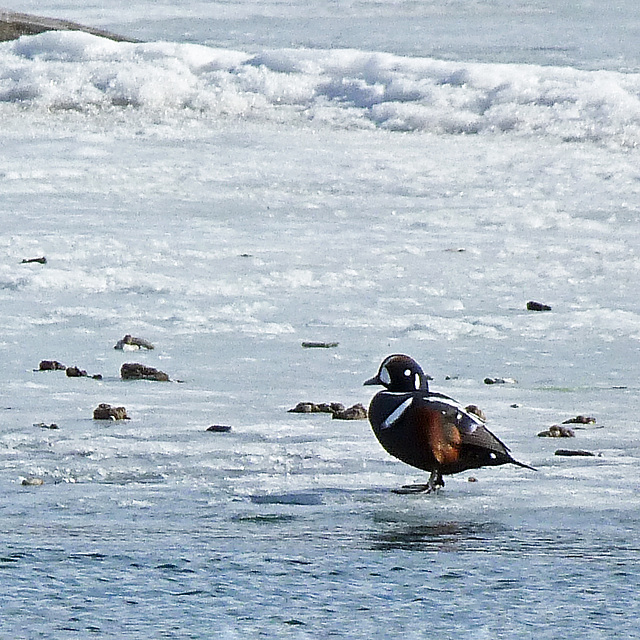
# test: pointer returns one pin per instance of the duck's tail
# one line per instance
(522, 464)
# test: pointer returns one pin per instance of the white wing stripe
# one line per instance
(396, 413)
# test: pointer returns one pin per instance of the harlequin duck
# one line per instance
(429, 430)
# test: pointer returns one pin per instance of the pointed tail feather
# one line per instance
(522, 464)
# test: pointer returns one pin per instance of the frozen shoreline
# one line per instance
(14, 25)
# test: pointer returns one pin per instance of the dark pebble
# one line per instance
(537, 306)
(302, 407)
(219, 428)
(42, 260)
(319, 345)
(51, 365)
(107, 412)
(129, 340)
(356, 412)
(500, 381)
(32, 482)
(580, 420)
(76, 372)
(557, 431)
(44, 425)
(312, 407)
(573, 452)
(135, 371)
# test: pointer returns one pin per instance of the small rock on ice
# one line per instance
(129, 343)
(356, 412)
(319, 345)
(135, 371)
(105, 411)
(477, 411)
(532, 305)
(500, 381)
(312, 407)
(557, 431)
(574, 452)
(51, 365)
(580, 420)
(219, 428)
(41, 260)
(32, 482)
(44, 425)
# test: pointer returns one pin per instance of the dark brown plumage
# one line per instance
(429, 430)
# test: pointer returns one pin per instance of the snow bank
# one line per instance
(352, 88)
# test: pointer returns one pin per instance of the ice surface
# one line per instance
(229, 204)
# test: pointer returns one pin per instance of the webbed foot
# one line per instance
(435, 482)
(414, 488)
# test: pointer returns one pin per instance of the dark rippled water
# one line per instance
(328, 563)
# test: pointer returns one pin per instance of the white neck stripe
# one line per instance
(396, 413)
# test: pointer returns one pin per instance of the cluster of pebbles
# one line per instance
(128, 371)
(563, 431)
(337, 410)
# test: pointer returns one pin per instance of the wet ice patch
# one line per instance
(302, 498)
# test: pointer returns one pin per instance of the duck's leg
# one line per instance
(434, 483)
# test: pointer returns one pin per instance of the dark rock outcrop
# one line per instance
(14, 25)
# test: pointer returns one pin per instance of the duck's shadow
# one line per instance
(396, 534)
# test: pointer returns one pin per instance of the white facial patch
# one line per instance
(396, 413)
(384, 376)
(416, 382)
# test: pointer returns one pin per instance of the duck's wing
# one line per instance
(457, 436)
(452, 412)
(444, 424)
